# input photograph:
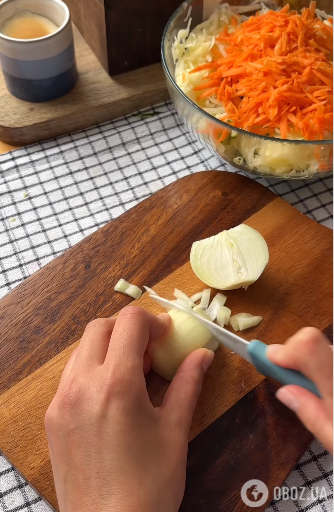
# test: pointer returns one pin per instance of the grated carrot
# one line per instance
(224, 134)
(234, 20)
(207, 94)
(206, 85)
(276, 63)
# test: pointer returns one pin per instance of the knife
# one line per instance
(255, 352)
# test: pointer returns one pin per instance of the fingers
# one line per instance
(134, 328)
(309, 352)
(311, 411)
(182, 395)
(94, 343)
(67, 370)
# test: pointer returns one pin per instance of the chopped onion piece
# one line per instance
(223, 316)
(197, 296)
(180, 295)
(217, 302)
(246, 323)
(128, 289)
(243, 321)
(205, 299)
(150, 291)
(199, 311)
(183, 303)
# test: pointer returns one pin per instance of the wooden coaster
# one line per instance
(95, 99)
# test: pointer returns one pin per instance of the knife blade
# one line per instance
(254, 351)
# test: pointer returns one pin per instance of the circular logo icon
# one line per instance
(254, 493)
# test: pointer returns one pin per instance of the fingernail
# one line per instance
(166, 319)
(207, 359)
(163, 315)
(274, 350)
(288, 397)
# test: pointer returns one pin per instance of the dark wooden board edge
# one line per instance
(49, 310)
(269, 440)
(328, 331)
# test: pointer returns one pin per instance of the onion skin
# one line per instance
(184, 336)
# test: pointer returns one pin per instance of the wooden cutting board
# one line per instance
(239, 431)
(95, 99)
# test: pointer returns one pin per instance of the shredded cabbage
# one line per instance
(191, 49)
(194, 48)
(275, 158)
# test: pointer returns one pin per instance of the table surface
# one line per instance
(55, 193)
(4, 148)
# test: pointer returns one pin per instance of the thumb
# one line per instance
(311, 411)
(182, 395)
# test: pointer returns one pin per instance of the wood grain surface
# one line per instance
(258, 430)
(43, 317)
(95, 99)
(49, 310)
(89, 18)
(123, 35)
(146, 26)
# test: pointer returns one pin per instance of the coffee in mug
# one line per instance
(27, 25)
(36, 49)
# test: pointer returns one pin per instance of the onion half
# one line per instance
(232, 259)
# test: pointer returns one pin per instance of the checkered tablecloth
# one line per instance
(55, 193)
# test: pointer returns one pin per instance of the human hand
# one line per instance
(110, 449)
(309, 352)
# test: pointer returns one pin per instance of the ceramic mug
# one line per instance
(41, 69)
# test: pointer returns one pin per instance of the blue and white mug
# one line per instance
(40, 69)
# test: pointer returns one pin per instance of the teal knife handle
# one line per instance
(257, 351)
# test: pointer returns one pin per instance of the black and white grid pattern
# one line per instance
(55, 193)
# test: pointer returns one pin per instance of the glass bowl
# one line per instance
(288, 159)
